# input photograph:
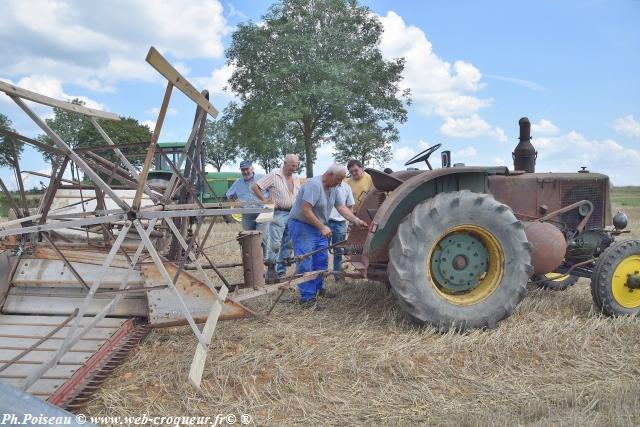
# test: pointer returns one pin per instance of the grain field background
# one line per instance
(555, 361)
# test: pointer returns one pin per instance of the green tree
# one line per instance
(77, 131)
(313, 66)
(6, 149)
(220, 149)
(124, 131)
(366, 142)
(261, 138)
(67, 125)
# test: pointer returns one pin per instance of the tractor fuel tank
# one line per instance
(549, 246)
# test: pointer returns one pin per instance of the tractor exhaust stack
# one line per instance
(524, 156)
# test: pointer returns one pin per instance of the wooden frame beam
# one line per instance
(52, 102)
(157, 61)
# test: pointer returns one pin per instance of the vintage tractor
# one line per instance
(458, 245)
(213, 191)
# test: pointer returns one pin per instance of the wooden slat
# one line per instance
(64, 305)
(48, 272)
(157, 61)
(18, 319)
(42, 388)
(30, 331)
(200, 356)
(39, 356)
(24, 343)
(81, 256)
(51, 102)
(24, 370)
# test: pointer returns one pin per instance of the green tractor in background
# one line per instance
(219, 182)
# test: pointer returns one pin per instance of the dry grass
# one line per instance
(554, 362)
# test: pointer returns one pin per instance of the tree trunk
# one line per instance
(308, 147)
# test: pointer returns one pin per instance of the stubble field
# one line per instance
(555, 361)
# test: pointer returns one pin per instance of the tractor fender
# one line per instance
(416, 189)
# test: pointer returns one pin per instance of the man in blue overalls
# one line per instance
(308, 226)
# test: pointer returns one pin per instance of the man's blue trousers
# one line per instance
(306, 238)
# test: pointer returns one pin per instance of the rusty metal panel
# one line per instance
(164, 309)
(414, 190)
(519, 192)
(63, 301)
(252, 260)
(526, 194)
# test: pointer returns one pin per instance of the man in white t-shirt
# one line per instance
(338, 226)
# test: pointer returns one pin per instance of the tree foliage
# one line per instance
(77, 131)
(260, 138)
(124, 131)
(220, 149)
(312, 69)
(366, 142)
(6, 147)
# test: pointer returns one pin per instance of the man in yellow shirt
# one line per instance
(360, 182)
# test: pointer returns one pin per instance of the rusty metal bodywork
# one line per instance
(530, 195)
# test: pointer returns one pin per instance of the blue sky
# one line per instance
(474, 69)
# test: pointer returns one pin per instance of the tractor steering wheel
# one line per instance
(424, 155)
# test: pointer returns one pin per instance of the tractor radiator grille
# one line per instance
(595, 191)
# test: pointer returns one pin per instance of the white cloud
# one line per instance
(51, 87)
(570, 151)
(627, 126)
(403, 153)
(500, 161)
(326, 152)
(156, 110)
(95, 44)
(216, 82)
(520, 82)
(233, 11)
(150, 123)
(471, 127)
(437, 86)
(465, 153)
(543, 127)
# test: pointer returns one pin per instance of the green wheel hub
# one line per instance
(459, 262)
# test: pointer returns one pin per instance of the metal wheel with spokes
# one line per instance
(460, 259)
(615, 285)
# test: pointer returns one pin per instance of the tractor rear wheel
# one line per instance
(460, 260)
(615, 284)
(555, 281)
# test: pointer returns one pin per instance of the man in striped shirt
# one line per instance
(282, 185)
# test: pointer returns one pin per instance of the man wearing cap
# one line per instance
(241, 190)
(309, 230)
(282, 185)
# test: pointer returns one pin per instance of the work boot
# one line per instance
(325, 293)
(312, 305)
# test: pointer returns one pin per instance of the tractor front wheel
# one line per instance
(615, 284)
(233, 218)
(555, 281)
(460, 260)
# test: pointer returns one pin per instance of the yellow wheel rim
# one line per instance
(624, 296)
(237, 217)
(490, 279)
(556, 277)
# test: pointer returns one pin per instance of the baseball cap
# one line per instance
(245, 164)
